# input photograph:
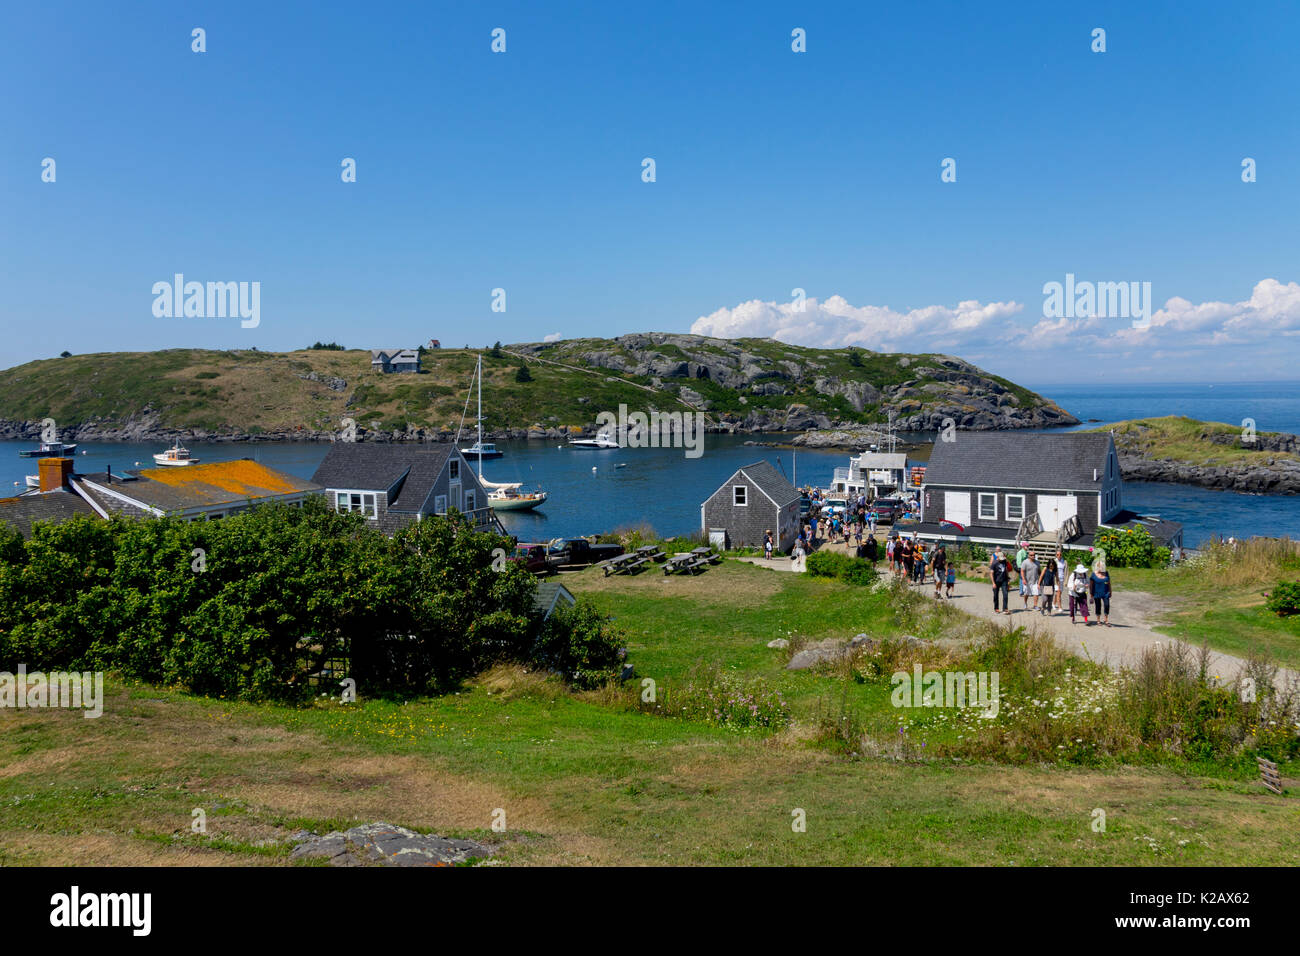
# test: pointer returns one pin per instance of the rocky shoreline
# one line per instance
(1273, 476)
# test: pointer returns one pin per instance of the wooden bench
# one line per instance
(678, 562)
(615, 565)
(707, 554)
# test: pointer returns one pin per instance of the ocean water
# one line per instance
(663, 488)
(1274, 406)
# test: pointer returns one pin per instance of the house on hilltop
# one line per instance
(393, 485)
(395, 360)
(755, 499)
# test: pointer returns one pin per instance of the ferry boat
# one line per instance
(482, 450)
(175, 456)
(49, 449)
(602, 440)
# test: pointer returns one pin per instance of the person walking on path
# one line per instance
(889, 554)
(951, 576)
(1062, 572)
(1021, 555)
(1000, 575)
(1029, 572)
(1100, 586)
(767, 544)
(1078, 588)
(872, 549)
(908, 556)
(939, 564)
(798, 557)
(1047, 583)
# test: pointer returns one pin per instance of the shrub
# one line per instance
(1131, 548)
(833, 564)
(1284, 600)
(582, 645)
(971, 553)
(523, 375)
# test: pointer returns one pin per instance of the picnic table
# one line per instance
(708, 554)
(624, 563)
(686, 561)
(651, 551)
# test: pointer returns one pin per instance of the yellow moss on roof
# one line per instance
(244, 479)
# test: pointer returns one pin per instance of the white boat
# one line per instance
(33, 481)
(176, 455)
(481, 449)
(515, 500)
(602, 440)
(501, 495)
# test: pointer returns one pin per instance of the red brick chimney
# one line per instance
(54, 473)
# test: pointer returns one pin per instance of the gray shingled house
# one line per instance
(1006, 486)
(755, 499)
(393, 485)
(395, 360)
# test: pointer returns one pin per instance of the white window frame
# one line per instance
(471, 500)
(1007, 506)
(979, 506)
(744, 490)
(440, 504)
(358, 501)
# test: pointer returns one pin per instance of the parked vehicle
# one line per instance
(532, 556)
(564, 553)
(886, 510)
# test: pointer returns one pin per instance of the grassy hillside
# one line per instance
(1187, 440)
(268, 392)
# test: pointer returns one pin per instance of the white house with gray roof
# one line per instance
(755, 499)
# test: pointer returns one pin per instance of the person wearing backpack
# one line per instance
(1000, 574)
(1078, 588)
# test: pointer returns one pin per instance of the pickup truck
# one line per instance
(571, 553)
(887, 510)
(532, 557)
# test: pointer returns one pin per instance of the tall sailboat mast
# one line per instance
(480, 417)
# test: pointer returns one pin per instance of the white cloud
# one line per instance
(835, 323)
(553, 337)
(1194, 332)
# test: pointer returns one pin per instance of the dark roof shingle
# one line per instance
(771, 482)
(369, 467)
(1021, 460)
(24, 510)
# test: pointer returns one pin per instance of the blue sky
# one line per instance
(775, 170)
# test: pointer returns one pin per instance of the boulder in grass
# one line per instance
(382, 844)
(779, 644)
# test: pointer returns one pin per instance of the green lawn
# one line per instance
(1232, 620)
(585, 781)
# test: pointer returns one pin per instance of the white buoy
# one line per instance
(593, 469)
(137, 463)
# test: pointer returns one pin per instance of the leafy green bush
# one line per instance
(969, 552)
(1131, 548)
(252, 605)
(833, 564)
(582, 645)
(1284, 600)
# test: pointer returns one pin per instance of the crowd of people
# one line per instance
(1049, 587)
(1046, 585)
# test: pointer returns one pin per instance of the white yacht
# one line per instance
(602, 440)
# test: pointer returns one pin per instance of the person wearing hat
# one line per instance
(1000, 574)
(1077, 587)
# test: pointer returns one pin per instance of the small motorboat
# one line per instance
(49, 449)
(33, 481)
(482, 451)
(601, 441)
(176, 455)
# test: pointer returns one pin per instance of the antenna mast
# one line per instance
(480, 417)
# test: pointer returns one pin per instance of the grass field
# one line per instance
(585, 780)
(1176, 438)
